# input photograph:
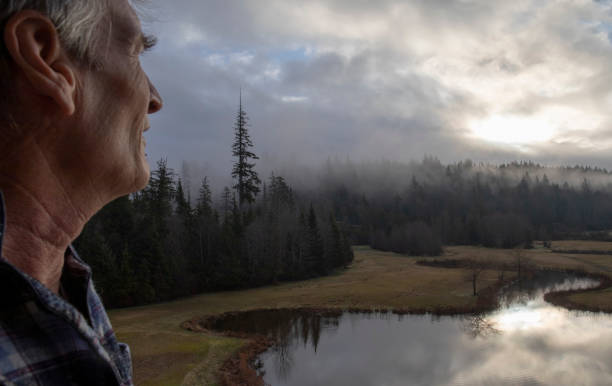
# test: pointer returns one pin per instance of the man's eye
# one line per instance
(148, 42)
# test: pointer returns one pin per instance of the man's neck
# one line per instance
(42, 219)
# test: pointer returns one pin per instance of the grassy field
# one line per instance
(166, 354)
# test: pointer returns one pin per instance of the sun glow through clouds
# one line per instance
(513, 130)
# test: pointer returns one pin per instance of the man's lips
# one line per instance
(143, 141)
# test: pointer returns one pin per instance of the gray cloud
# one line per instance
(387, 79)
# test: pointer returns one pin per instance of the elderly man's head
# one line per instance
(76, 21)
(73, 90)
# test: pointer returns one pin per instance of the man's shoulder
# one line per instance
(41, 347)
(37, 347)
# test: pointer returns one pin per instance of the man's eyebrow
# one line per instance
(148, 41)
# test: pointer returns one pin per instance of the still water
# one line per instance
(526, 342)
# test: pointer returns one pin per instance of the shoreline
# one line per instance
(238, 369)
(562, 298)
(164, 353)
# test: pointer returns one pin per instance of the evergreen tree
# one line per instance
(160, 193)
(316, 261)
(302, 248)
(185, 241)
(204, 205)
(280, 194)
(237, 223)
(226, 203)
(156, 243)
(183, 208)
(333, 251)
(247, 180)
(206, 224)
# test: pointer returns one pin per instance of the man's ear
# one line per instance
(34, 45)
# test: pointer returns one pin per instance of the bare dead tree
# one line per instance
(475, 270)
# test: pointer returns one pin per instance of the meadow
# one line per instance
(164, 353)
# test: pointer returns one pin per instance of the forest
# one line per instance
(417, 208)
(159, 244)
(155, 245)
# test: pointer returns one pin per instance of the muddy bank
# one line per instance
(240, 368)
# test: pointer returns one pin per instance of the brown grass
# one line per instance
(166, 354)
(582, 245)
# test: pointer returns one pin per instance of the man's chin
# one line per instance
(143, 176)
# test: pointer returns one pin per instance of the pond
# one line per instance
(526, 342)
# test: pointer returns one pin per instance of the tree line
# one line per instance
(419, 207)
(159, 244)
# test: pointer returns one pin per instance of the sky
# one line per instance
(489, 80)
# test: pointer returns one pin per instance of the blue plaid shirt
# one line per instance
(47, 340)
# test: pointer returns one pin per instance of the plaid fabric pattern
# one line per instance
(46, 340)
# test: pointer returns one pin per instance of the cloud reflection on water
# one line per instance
(529, 342)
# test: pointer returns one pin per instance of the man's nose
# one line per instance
(155, 103)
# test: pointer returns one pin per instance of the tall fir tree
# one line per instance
(160, 192)
(247, 180)
(183, 207)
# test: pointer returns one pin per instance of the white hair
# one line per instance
(76, 21)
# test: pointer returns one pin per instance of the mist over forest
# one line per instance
(387, 176)
(391, 177)
(418, 207)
